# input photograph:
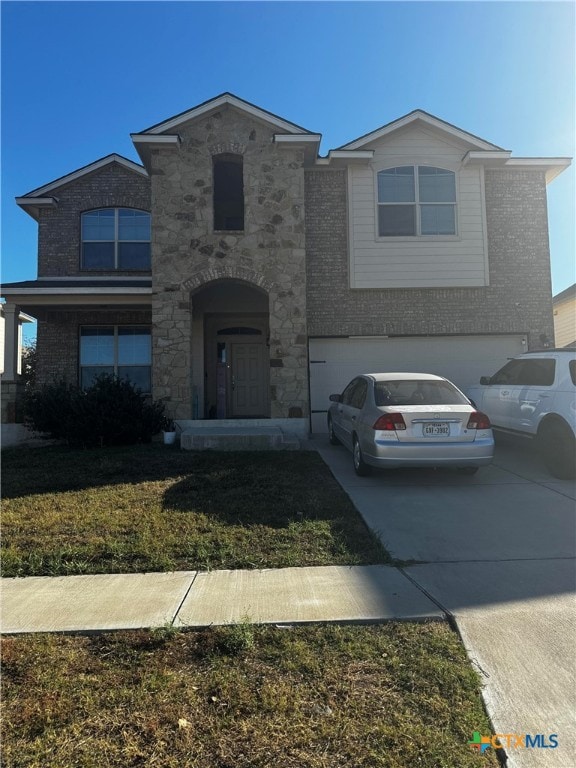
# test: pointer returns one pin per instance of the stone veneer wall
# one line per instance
(518, 299)
(270, 253)
(58, 340)
(112, 186)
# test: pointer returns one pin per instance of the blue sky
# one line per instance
(78, 77)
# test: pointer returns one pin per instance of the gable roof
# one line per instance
(96, 165)
(419, 115)
(219, 101)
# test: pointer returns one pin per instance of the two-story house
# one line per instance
(236, 273)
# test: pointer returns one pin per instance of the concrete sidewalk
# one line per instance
(193, 599)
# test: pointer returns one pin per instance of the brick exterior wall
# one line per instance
(112, 186)
(58, 339)
(518, 299)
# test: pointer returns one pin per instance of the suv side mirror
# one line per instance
(335, 398)
(485, 379)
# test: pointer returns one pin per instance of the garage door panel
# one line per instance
(462, 359)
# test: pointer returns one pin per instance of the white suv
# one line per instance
(534, 395)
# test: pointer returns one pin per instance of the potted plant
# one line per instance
(169, 432)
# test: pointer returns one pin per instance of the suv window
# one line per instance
(537, 373)
(509, 374)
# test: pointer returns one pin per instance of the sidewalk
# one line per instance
(194, 599)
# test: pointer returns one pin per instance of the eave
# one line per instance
(309, 142)
(552, 166)
(145, 144)
(339, 157)
(32, 201)
(32, 205)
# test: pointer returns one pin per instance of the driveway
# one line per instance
(497, 552)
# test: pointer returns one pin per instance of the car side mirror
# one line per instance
(335, 398)
(485, 379)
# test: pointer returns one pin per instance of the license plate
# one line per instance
(435, 429)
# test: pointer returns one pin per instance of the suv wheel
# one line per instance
(361, 468)
(558, 449)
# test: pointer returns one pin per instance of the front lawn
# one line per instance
(152, 508)
(391, 696)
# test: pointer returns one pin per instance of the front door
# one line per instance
(247, 380)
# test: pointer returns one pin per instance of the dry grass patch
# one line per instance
(149, 508)
(391, 696)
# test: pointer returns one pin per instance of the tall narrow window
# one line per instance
(228, 177)
(416, 200)
(116, 238)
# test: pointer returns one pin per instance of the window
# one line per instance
(420, 392)
(527, 373)
(228, 178)
(120, 351)
(416, 200)
(116, 238)
(355, 393)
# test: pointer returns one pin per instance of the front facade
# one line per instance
(238, 274)
(565, 317)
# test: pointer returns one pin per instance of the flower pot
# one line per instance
(169, 438)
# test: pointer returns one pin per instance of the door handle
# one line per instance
(353, 418)
(233, 382)
(505, 391)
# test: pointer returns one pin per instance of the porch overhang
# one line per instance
(36, 296)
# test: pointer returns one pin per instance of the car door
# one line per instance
(347, 412)
(535, 393)
(501, 395)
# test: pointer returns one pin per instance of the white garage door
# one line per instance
(462, 359)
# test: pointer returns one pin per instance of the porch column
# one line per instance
(12, 342)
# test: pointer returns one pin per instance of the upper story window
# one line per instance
(116, 238)
(228, 178)
(416, 200)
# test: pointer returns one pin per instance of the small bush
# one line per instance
(111, 412)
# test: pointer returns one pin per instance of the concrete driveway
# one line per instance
(497, 552)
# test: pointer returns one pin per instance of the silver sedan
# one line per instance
(409, 420)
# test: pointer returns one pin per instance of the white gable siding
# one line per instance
(417, 262)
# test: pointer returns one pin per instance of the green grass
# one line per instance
(392, 696)
(151, 508)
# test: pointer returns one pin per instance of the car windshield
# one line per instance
(417, 392)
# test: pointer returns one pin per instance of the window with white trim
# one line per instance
(117, 350)
(416, 200)
(116, 238)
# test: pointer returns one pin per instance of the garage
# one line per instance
(462, 359)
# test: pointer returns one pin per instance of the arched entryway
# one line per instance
(230, 350)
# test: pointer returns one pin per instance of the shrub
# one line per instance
(110, 412)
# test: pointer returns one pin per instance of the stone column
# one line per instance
(171, 351)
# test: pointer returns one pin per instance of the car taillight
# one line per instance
(390, 422)
(478, 420)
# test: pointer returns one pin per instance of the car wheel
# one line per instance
(331, 434)
(468, 470)
(558, 449)
(361, 468)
